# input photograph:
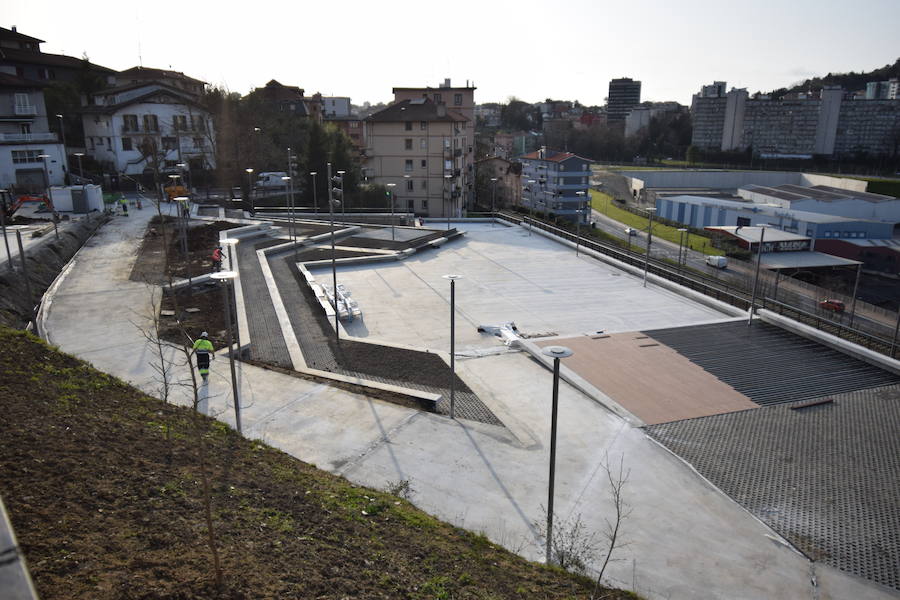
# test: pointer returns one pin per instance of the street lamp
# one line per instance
(226, 277)
(5, 200)
(681, 231)
(62, 130)
(52, 206)
(249, 172)
(531, 202)
(391, 187)
(447, 178)
(650, 210)
(556, 353)
(493, 196)
(408, 189)
(580, 195)
(289, 182)
(332, 191)
(315, 198)
(452, 279)
(759, 253)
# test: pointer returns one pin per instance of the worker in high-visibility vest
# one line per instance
(203, 348)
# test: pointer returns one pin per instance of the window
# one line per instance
(423, 125)
(109, 143)
(407, 126)
(179, 123)
(199, 142)
(457, 99)
(424, 164)
(424, 184)
(408, 166)
(407, 144)
(23, 104)
(827, 234)
(437, 98)
(354, 124)
(25, 128)
(410, 185)
(169, 143)
(424, 204)
(423, 144)
(126, 143)
(129, 123)
(199, 123)
(411, 206)
(151, 123)
(26, 156)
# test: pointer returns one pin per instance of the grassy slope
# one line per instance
(104, 489)
(604, 204)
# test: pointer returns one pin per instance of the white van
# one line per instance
(271, 180)
(719, 262)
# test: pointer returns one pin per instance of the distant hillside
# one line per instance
(851, 81)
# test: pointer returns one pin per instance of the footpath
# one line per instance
(685, 538)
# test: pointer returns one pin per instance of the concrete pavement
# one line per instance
(686, 538)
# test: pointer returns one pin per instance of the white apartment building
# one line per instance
(136, 128)
(30, 153)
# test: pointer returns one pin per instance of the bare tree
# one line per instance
(618, 479)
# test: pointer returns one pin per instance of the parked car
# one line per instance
(719, 262)
(630, 231)
(831, 304)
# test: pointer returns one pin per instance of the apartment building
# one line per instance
(557, 183)
(26, 141)
(624, 94)
(827, 123)
(422, 147)
(500, 183)
(139, 128)
(21, 56)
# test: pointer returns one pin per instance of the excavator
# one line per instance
(9, 209)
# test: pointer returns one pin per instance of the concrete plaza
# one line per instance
(686, 539)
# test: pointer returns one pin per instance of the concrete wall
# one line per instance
(854, 185)
(708, 179)
(54, 165)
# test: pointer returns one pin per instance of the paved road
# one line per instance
(741, 275)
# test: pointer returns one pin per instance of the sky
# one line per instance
(530, 50)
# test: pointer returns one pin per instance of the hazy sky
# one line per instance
(531, 50)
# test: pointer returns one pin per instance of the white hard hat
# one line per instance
(204, 334)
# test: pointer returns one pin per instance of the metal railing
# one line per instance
(714, 288)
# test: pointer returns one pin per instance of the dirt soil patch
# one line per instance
(105, 489)
(163, 232)
(195, 310)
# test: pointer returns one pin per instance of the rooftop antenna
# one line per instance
(137, 19)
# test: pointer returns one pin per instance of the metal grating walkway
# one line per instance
(770, 365)
(826, 477)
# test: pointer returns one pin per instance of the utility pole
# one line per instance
(759, 252)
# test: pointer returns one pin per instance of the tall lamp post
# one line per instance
(531, 183)
(650, 210)
(452, 279)
(5, 200)
(448, 179)
(578, 213)
(556, 353)
(681, 232)
(334, 191)
(315, 197)
(759, 253)
(249, 172)
(493, 197)
(62, 131)
(390, 193)
(226, 277)
(52, 206)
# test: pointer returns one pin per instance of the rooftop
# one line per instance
(753, 234)
(422, 109)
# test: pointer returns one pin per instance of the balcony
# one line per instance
(27, 137)
(25, 110)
